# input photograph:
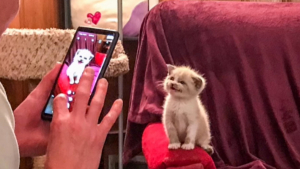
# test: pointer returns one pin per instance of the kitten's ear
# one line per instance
(78, 51)
(199, 82)
(170, 68)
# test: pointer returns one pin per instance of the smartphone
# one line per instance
(90, 47)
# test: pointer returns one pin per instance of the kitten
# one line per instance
(184, 118)
(81, 59)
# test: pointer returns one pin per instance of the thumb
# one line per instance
(60, 106)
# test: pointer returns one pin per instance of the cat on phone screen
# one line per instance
(81, 59)
(185, 119)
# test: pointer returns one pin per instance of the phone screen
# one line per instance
(87, 49)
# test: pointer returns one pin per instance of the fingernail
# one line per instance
(86, 69)
(89, 70)
(103, 82)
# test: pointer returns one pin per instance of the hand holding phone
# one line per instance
(76, 139)
(31, 131)
(90, 47)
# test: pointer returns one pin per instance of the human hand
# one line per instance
(76, 139)
(31, 131)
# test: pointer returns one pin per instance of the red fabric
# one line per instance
(250, 55)
(158, 156)
(192, 166)
(99, 58)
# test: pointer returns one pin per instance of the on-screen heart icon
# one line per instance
(95, 18)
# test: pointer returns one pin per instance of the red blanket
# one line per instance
(250, 56)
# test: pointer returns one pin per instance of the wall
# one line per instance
(39, 14)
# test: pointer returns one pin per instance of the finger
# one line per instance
(45, 86)
(109, 120)
(60, 106)
(83, 93)
(97, 102)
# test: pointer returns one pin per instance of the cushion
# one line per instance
(158, 156)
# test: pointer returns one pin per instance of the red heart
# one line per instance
(95, 18)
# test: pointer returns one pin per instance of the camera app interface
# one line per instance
(88, 49)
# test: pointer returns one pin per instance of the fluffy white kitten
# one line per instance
(184, 118)
(81, 59)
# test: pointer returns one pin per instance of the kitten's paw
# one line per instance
(71, 82)
(174, 146)
(209, 149)
(188, 146)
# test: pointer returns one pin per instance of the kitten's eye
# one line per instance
(182, 82)
(172, 78)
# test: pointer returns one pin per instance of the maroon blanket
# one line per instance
(250, 55)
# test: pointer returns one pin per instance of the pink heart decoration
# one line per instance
(95, 18)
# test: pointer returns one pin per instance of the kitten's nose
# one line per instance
(173, 85)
